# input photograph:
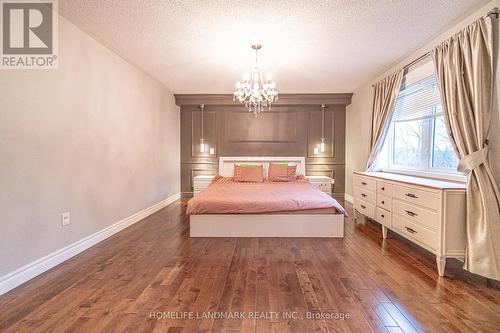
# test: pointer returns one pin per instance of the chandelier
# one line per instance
(253, 92)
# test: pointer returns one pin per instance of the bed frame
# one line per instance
(265, 225)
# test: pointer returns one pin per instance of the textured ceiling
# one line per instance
(308, 45)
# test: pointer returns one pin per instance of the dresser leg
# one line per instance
(384, 232)
(441, 263)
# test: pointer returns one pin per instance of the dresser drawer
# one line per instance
(200, 185)
(197, 190)
(415, 232)
(420, 197)
(365, 195)
(366, 183)
(384, 202)
(384, 188)
(364, 208)
(383, 217)
(325, 187)
(424, 217)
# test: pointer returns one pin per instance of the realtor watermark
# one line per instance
(257, 315)
(29, 34)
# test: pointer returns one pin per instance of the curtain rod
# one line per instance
(494, 12)
(414, 61)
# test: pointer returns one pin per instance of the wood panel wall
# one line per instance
(291, 128)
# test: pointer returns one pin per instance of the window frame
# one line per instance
(425, 170)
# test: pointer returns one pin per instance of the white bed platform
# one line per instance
(262, 225)
(265, 225)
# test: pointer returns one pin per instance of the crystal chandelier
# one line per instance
(253, 92)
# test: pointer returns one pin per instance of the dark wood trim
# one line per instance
(288, 130)
(284, 99)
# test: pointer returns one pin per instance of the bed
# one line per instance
(270, 209)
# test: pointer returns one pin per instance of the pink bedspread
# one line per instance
(224, 196)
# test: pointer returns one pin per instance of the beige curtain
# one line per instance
(464, 67)
(385, 93)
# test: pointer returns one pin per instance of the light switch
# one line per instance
(316, 150)
(212, 151)
(65, 219)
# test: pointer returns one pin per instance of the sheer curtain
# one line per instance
(464, 67)
(385, 93)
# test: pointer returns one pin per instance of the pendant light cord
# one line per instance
(202, 106)
(322, 121)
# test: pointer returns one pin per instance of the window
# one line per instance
(417, 141)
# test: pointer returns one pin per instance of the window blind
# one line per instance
(418, 100)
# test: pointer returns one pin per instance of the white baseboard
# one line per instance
(348, 198)
(37, 267)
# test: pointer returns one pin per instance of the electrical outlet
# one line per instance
(65, 219)
(212, 151)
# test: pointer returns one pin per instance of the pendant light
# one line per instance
(202, 140)
(322, 146)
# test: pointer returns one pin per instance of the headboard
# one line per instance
(226, 164)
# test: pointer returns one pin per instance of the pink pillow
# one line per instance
(281, 173)
(249, 174)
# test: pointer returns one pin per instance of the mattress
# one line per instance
(225, 196)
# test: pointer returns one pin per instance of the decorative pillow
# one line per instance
(248, 174)
(281, 173)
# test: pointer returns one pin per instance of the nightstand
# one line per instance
(201, 182)
(323, 183)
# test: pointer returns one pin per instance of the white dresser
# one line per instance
(323, 183)
(430, 213)
(200, 183)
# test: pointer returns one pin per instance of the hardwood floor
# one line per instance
(134, 280)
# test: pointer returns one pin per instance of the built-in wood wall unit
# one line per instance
(291, 128)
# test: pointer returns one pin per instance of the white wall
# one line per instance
(359, 112)
(97, 137)
(358, 118)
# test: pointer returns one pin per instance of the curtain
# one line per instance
(464, 68)
(385, 93)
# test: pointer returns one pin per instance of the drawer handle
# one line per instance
(382, 216)
(410, 230)
(362, 206)
(363, 183)
(411, 195)
(383, 202)
(383, 188)
(363, 195)
(409, 212)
